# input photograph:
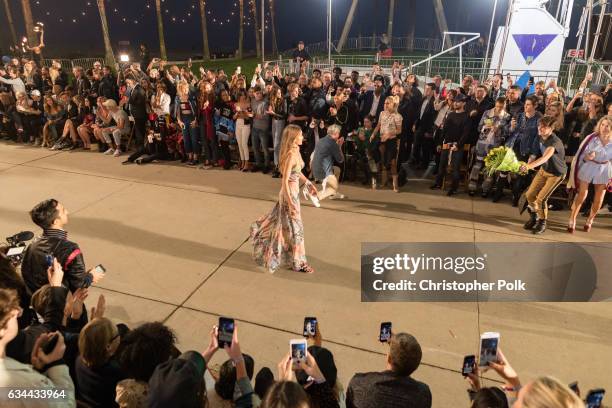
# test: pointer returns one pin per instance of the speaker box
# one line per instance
(604, 44)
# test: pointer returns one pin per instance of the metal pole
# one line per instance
(329, 33)
(461, 65)
(263, 31)
(588, 33)
(484, 67)
(506, 35)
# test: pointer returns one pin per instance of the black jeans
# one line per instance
(140, 129)
(455, 164)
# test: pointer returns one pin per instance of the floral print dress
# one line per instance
(278, 237)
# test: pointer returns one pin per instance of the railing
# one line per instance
(371, 43)
(446, 67)
(68, 64)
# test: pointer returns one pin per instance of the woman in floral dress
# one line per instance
(278, 237)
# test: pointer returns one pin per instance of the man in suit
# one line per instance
(373, 102)
(137, 104)
(423, 138)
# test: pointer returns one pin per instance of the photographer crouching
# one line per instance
(52, 217)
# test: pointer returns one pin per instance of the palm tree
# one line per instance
(390, 21)
(241, 30)
(11, 24)
(160, 30)
(29, 23)
(272, 22)
(110, 57)
(411, 23)
(205, 29)
(256, 26)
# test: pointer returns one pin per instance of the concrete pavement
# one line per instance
(174, 242)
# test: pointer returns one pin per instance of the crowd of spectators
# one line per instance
(50, 343)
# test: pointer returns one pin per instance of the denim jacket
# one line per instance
(526, 133)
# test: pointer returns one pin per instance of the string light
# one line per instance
(216, 16)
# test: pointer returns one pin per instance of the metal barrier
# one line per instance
(447, 67)
(68, 64)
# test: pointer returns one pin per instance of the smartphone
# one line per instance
(299, 351)
(259, 66)
(226, 332)
(15, 251)
(489, 342)
(50, 344)
(101, 269)
(49, 260)
(238, 70)
(574, 387)
(531, 80)
(385, 332)
(469, 362)
(310, 326)
(595, 398)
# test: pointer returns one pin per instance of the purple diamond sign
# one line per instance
(532, 45)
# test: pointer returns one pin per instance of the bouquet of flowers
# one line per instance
(502, 159)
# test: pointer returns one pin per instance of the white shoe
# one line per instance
(110, 151)
(315, 200)
(117, 153)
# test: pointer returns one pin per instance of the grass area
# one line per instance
(247, 65)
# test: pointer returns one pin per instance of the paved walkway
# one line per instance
(174, 242)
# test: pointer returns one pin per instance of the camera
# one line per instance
(17, 246)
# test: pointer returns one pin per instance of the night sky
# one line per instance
(79, 33)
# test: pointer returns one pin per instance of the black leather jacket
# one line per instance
(68, 254)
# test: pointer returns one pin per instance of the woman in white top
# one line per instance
(389, 127)
(160, 102)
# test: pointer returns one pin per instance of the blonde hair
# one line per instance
(93, 340)
(548, 392)
(290, 133)
(183, 87)
(603, 118)
(394, 99)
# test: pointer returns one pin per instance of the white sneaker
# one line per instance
(110, 151)
(117, 153)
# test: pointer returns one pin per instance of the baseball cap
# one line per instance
(178, 382)
(35, 92)
(379, 78)
(460, 98)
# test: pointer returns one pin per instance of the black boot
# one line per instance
(532, 220)
(540, 227)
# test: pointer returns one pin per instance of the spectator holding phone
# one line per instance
(47, 369)
(393, 387)
(52, 217)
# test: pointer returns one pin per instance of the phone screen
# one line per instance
(226, 332)
(468, 365)
(385, 332)
(100, 269)
(310, 326)
(298, 351)
(15, 251)
(595, 398)
(488, 350)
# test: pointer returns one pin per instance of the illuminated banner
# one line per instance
(503, 271)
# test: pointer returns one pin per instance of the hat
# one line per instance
(460, 98)
(35, 92)
(379, 78)
(6, 59)
(110, 103)
(178, 382)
